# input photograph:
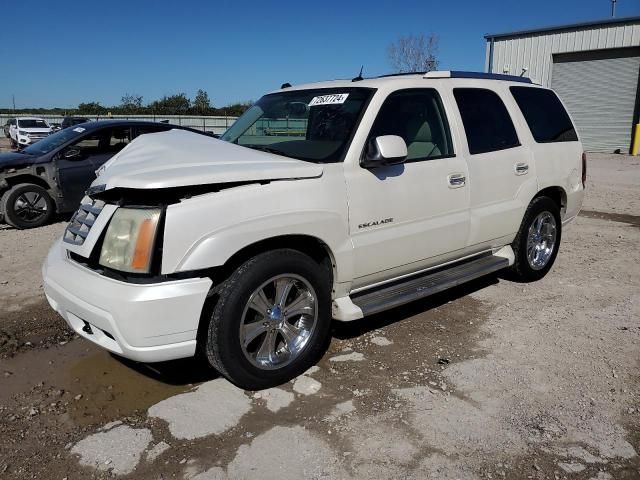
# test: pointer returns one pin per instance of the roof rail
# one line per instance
(486, 76)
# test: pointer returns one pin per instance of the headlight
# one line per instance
(23, 133)
(130, 238)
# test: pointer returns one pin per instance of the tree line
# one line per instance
(133, 104)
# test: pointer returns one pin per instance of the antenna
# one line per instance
(613, 7)
(359, 77)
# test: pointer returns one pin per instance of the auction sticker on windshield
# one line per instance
(334, 99)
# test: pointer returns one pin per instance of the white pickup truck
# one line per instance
(24, 131)
(335, 200)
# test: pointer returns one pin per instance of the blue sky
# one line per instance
(63, 53)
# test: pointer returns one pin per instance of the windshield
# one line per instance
(32, 124)
(313, 125)
(54, 141)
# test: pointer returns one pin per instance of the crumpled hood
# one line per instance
(178, 158)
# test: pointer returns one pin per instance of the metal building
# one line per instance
(594, 67)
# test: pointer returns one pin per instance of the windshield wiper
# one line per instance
(265, 148)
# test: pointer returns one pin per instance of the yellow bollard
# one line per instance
(635, 146)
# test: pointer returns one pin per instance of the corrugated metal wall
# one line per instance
(596, 88)
(534, 51)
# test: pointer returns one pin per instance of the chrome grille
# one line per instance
(82, 221)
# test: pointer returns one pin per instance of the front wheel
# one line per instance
(538, 240)
(27, 206)
(271, 320)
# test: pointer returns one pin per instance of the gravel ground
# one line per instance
(495, 379)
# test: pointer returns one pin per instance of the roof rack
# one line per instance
(480, 75)
(399, 74)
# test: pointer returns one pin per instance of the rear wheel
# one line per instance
(271, 320)
(538, 240)
(27, 206)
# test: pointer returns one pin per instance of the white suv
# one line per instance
(26, 130)
(331, 200)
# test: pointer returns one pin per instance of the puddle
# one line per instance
(97, 386)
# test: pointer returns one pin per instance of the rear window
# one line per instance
(545, 115)
(486, 120)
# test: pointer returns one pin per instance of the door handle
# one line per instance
(456, 180)
(521, 168)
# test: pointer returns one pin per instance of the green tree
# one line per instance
(130, 103)
(202, 104)
(236, 109)
(171, 105)
(93, 108)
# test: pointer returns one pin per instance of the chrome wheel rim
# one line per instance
(278, 321)
(30, 206)
(541, 240)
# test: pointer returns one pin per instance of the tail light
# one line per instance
(584, 169)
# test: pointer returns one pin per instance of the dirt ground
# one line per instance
(492, 380)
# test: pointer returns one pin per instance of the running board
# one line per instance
(414, 288)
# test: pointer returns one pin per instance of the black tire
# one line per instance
(522, 270)
(222, 344)
(29, 218)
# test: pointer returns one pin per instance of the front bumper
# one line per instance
(146, 323)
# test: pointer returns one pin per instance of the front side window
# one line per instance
(545, 115)
(313, 125)
(486, 120)
(417, 116)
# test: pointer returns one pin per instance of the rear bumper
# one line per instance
(574, 205)
(146, 323)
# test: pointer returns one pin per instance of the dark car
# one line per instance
(7, 126)
(71, 121)
(51, 176)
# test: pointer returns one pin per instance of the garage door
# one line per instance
(600, 90)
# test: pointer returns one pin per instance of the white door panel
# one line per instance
(428, 217)
(498, 187)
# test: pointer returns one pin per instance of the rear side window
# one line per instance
(151, 129)
(486, 120)
(545, 115)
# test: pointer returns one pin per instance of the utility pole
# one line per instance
(13, 97)
(613, 7)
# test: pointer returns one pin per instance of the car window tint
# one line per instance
(545, 115)
(91, 144)
(119, 138)
(486, 120)
(418, 117)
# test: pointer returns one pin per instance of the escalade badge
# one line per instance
(375, 223)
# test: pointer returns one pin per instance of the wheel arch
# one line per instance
(557, 194)
(27, 178)
(312, 246)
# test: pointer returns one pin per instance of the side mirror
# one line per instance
(385, 150)
(72, 153)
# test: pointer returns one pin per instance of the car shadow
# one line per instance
(180, 372)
